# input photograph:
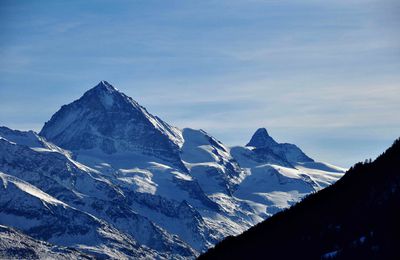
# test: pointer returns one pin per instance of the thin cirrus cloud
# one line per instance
(323, 75)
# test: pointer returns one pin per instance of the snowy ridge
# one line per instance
(210, 162)
(29, 189)
(30, 139)
(133, 186)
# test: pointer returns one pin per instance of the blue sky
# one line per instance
(321, 74)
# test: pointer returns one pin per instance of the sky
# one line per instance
(321, 74)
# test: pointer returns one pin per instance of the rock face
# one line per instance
(261, 139)
(128, 185)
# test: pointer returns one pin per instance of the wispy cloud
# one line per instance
(308, 70)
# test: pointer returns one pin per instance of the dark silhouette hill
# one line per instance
(358, 217)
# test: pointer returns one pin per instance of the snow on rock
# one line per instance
(16, 245)
(210, 162)
(29, 189)
(44, 217)
(30, 139)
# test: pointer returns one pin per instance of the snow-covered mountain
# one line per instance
(107, 178)
(106, 120)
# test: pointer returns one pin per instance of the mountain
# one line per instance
(355, 218)
(279, 175)
(106, 120)
(126, 184)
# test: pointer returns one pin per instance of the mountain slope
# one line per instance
(44, 217)
(210, 162)
(355, 218)
(16, 245)
(79, 187)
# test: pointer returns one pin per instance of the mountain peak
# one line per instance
(261, 138)
(107, 119)
(104, 85)
(262, 131)
(289, 152)
(106, 96)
